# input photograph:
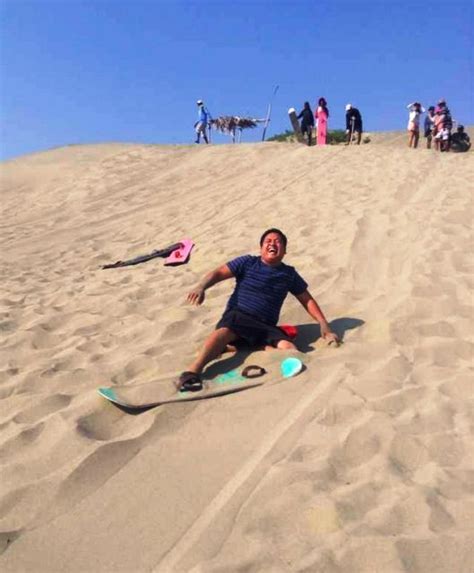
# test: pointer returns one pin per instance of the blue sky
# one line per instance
(131, 71)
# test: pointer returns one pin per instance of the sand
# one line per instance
(362, 463)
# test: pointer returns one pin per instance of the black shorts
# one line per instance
(250, 330)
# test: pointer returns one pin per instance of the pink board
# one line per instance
(181, 255)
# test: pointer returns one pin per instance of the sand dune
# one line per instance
(362, 463)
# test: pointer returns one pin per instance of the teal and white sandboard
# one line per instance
(150, 394)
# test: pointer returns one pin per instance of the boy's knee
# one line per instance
(224, 333)
(285, 345)
(222, 330)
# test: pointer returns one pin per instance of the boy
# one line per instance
(252, 312)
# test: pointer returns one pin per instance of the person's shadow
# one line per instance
(307, 335)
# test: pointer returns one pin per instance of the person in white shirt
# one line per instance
(415, 109)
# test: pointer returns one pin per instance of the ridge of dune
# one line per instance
(362, 463)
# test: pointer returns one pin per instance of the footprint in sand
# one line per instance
(6, 538)
(360, 446)
(407, 454)
(41, 410)
(109, 423)
(24, 440)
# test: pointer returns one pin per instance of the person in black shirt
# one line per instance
(307, 121)
(460, 140)
(353, 123)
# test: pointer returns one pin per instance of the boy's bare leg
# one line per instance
(281, 345)
(285, 345)
(213, 347)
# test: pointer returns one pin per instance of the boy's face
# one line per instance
(272, 250)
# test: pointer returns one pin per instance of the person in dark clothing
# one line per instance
(429, 126)
(460, 140)
(307, 121)
(252, 312)
(353, 123)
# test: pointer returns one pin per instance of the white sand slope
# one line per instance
(363, 463)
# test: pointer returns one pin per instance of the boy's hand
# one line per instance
(330, 337)
(196, 296)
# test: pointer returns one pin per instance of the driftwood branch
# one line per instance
(230, 123)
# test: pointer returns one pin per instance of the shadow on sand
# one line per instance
(308, 334)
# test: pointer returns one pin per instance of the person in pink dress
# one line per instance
(322, 114)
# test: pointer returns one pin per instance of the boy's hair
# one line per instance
(273, 230)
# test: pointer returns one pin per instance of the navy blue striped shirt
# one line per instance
(261, 289)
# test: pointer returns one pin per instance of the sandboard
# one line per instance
(158, 392)
(166, 252)
(295, 124)
(180, 255)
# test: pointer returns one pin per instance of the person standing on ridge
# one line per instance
(353, 123)
(444, 125)
(415, 109)
(204, 117)
(429, 126)
(307, 121)
(322, 114)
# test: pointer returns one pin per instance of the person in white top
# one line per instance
(415, 109)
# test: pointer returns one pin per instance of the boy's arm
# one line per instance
(312, 308)
(196, 296)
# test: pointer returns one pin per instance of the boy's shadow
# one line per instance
(308, 334)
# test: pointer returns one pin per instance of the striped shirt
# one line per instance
(261, 289)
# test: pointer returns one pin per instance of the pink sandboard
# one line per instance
(181, 255)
